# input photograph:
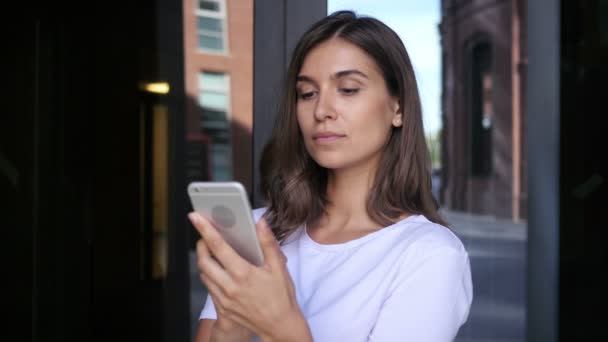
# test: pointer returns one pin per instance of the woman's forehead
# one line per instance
(337, 55)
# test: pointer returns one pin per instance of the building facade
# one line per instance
(483, 86)
(218, 53)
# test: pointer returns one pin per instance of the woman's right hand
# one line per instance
(223, 328)
(254, 297)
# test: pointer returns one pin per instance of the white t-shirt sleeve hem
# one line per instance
(208, 311)
(430, 299)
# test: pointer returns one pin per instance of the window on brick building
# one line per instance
(214, 99)
(211, 25)
(481, 110)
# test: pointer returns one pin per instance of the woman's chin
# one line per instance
(338, 162)
(330, 163)
(335, 163)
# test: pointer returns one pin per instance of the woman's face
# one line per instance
(344, 110)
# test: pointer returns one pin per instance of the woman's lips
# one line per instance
(327, 138)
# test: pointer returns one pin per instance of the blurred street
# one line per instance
(497, 249)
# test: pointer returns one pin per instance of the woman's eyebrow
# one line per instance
(339, 74)
(349, 72)
(304, 78)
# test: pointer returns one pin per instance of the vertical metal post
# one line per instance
(543, 115)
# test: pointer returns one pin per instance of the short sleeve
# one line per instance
(429, 299)
(208, 311)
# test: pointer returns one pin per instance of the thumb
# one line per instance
(270, 247)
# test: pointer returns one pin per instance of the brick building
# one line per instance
(483, 104)
(218, 52)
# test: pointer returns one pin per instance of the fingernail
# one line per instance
(193, 217)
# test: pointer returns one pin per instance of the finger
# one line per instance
(213, 288)
(225, 255)
(198, 222)
(208, 266)
(216, 294)
(270, 247)
(222, 296)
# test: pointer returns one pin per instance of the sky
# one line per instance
(416, 22)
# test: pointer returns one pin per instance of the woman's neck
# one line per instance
(347, 191)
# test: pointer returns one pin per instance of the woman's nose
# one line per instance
(324, 108)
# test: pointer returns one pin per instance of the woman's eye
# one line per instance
(349, 91)
(307, 95)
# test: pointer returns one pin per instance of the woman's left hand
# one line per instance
(261, 298)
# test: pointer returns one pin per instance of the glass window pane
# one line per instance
(222, 147)
(214, 115)
(212, 80)
(479, 163)
(219, 134)
(215, 123)
(210, 43)
(209, 24)
(209, 5)
(214, 100)
(481, 110)
(221, 157)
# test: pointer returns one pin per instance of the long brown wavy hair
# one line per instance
(294, 185)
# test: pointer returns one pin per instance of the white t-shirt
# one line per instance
(410, 281)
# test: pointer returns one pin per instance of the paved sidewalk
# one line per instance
(497, 249)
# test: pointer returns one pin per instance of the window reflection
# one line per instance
(209, 5)
(481, 110)
(218, 125)
(214, 100)
(482, 192)
(211, 25)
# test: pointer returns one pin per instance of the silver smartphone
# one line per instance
(226, 205)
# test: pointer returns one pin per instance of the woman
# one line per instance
(362, 253)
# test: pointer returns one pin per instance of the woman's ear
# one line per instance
(398, 120)
(398, 116)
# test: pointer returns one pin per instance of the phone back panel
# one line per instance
(227, 206)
